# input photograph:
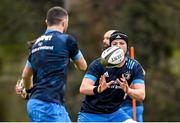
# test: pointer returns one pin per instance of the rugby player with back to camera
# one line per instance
(106, 87)
(48, 65)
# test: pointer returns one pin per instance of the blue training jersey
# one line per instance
(110, 100)
(49, 60)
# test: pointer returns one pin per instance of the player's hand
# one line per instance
(103, 85)
(19, 87)
(123, 84)
(24, 94)
(20, 90)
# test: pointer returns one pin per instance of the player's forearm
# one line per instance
(87, 89)
(82, 67)
(81, 64)
(27, 77)
(138, 94)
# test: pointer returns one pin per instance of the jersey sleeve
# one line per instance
(73, 49)
(94, 71)
(28, 62)
(139, 74)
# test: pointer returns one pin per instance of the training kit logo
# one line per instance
(118, 36)
(127, 75)
(106, 74)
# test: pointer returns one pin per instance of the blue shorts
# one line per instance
(40, 111)
(117, 116)
(127, 107)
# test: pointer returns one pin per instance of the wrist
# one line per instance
(128, 91)
(28, 90)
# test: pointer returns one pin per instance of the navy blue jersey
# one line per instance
(110, 100)
(49, 59)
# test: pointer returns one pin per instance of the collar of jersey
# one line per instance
(50, 30)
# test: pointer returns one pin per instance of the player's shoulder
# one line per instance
(131, 63)
(66, 37)
(96, 62)
(96, 66)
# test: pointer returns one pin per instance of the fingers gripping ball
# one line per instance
(112, 56)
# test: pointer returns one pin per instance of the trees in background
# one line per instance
(152, 27)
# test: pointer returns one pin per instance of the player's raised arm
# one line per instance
(75, 54)
(88, 88)
(136, 91)
(81, 63)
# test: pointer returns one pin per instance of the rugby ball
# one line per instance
(112, 56)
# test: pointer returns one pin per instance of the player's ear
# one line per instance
(46, 21)
(63, 22)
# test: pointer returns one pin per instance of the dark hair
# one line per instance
(118, 35)
(55, 15)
